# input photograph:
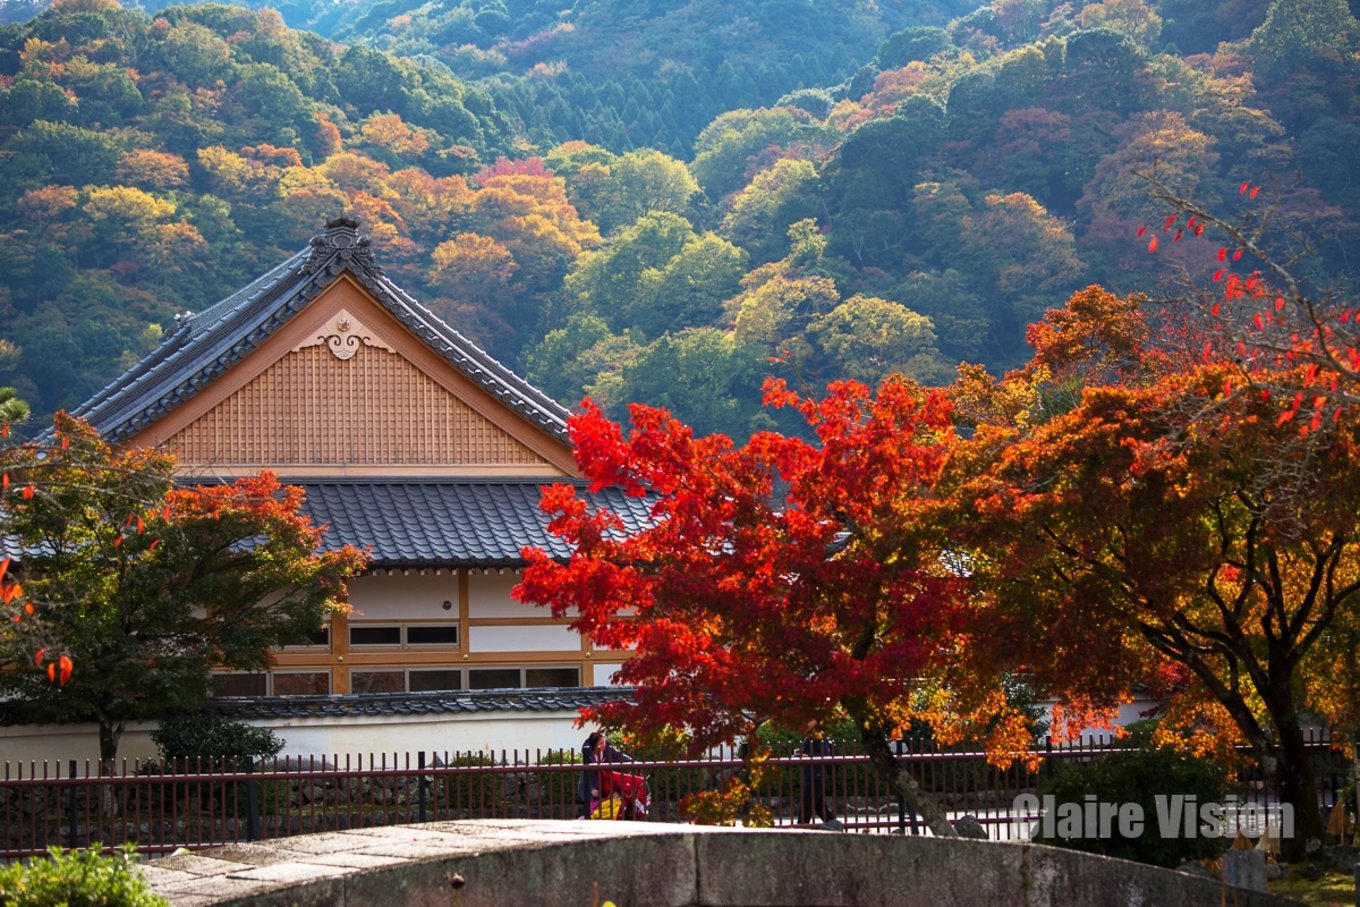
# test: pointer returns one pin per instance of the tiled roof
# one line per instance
(564, 699)
(204, 345)
(447, 522)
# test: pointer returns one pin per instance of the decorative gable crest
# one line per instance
(343, 335)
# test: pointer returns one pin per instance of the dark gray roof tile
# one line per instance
(429, 522)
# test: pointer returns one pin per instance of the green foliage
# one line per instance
(211, 739)
(476, 791)
(77, 878)
(559, 787)
(1139, 775)
(1296, 32)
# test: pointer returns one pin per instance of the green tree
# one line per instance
(762, 213)
(571, 360)
(725, 147)
(143, 587)
(643, 182)
(704, 373)
(866, 339)
(606, 281)
(689, 290)
(1297, 31)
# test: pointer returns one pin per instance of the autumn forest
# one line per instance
(983, 341)
(662, 202)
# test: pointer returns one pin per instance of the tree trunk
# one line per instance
(1295, 780)
(884, 761)
(110, 732)
(1355, 783)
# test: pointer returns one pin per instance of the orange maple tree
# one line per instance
(784, 580)
(133, 589)
(1162, 521)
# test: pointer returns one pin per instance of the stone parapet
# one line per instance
(488, 862)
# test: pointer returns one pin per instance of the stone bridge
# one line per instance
(583, 864)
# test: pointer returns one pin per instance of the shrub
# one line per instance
(560, 787)
(213, 739)
(475, 793)
(1140, 775)
(77, 878)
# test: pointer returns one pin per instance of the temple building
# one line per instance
(410, 441)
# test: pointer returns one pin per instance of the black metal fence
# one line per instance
(162, 807)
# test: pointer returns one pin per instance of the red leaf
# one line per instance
(1141, 230)
(1168, 222)
(38, 657)
(1177, 237)
(1237, 255)
(1254, 190)
(66, 667)
(28, 492)
(1218, 275)
(1152, 246)
(1260, 322)
(1223, 254)
(51, 672)
(1242, 190)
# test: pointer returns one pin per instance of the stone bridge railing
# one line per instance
(582, 863)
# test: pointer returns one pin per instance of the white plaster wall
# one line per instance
(404, 596)
(319, 737)
(489, 596)
(540, 638)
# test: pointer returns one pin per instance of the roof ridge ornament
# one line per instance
(341, 240)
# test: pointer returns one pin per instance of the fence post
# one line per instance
(252, 802)
(422, 788)
(71, 842)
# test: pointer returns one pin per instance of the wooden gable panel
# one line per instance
(370, 409)
(346, 390)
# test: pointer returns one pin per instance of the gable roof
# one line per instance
(205, 345)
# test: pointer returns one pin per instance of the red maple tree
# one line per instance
(783, 580)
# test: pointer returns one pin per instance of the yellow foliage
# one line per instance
(127, 204)
(153, 169)
(228, 173)
(387, 130)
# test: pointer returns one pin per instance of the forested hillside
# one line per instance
(817, 190)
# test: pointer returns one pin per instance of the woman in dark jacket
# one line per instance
(594, 751)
